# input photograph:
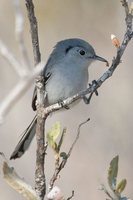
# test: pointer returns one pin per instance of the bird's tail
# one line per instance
(25, 140)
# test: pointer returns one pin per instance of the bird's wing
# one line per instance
(34, 98)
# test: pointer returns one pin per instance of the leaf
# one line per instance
(121, 186)
(112, 173)
(53, 134)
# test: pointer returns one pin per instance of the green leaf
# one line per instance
(121, 186)
(53, 134)
(112, 173)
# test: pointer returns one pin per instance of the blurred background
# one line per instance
(110, 130)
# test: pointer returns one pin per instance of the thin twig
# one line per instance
(61, 139)
(26, 76)
(18, 91)
(125, 5)
(77, 137)
(64, 161)
(19, 30)
(10, 58)
(72, 195)
(34, 31)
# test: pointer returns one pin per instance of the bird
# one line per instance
(65, 74)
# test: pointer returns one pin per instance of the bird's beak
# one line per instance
(101, 59)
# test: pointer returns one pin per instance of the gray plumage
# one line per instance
(65, 74)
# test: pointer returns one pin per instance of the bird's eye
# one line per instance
(82, 52)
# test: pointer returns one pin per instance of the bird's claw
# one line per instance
(63, 105)
(94, 82)
(87, 100)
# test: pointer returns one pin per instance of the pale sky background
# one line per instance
(110, 130)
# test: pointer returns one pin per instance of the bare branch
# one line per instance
(61, 139)
(18, 91)
(125, 5)
(77, 137)
(72, 195)
(34, 31)
(10, 58)
(40, 182)
(20, 33)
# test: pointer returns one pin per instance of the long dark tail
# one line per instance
(25, 141)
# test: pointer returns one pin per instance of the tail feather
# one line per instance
(25, 140)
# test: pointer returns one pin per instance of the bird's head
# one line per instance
(76, 51)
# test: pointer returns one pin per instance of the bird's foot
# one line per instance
(61, 102)
(88, 99)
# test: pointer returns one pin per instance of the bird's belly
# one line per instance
(59, 88)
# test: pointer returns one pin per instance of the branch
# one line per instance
(34, 31)
(26, 76)
(10, 58)
(72, 195)
(125, 5)
(65, 158)
(18, 91)
(19, 30)
(40, 182)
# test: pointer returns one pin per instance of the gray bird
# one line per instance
(65, 74)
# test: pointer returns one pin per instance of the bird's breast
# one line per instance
(64, 83)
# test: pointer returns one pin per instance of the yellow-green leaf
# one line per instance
(53, 134)
(112, 173)
(121, 186)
